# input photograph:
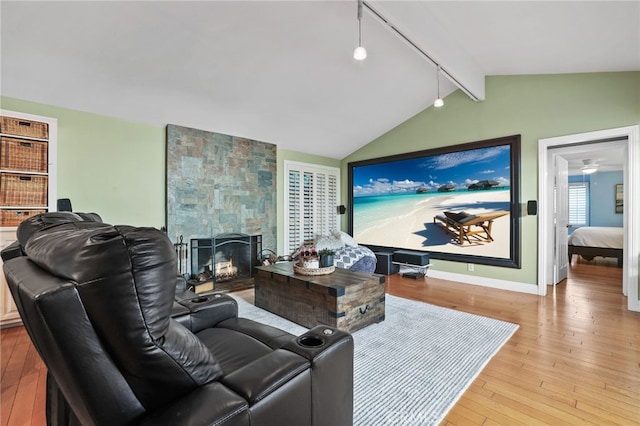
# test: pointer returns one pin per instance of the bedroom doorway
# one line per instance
(627, 139)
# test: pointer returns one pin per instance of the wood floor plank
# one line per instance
(15, 365)
(22, 409)
(7, 397)
(487, 407)
(552, 409)
(464, 416)
(39, 405)
(7, 343)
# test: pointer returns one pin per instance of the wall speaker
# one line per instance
(532, 207)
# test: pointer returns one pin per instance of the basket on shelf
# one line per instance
(23, 190)
(20, 127)
(16, 217)
(19, 154)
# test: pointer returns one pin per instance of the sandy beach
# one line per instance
(415, 228)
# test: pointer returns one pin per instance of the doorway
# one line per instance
(628, 137)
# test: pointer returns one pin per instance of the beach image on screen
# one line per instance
(456, 202)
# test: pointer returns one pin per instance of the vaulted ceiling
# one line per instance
(283, 72)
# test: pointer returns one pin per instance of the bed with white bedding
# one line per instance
(592, 241)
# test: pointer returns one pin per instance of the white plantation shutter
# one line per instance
(311, 200)
(578, 203)
(293, 209)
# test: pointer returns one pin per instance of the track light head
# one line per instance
(360, 53)
(438, 102)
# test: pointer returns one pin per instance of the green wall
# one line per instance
(534, 106)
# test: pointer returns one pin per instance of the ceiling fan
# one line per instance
(589, 167)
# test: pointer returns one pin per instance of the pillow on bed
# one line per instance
(328, 242)
(345, 238)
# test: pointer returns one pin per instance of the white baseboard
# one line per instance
(484, 282)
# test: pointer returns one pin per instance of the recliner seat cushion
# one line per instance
(125, 277)
(232, 349)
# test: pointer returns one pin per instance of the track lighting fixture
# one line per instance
(438, 102)
(360, 53)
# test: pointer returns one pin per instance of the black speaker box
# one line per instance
(64, 205)
(384, 265)
(411, 257)
(532, 207)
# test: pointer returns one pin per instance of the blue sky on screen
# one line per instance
(460, 168)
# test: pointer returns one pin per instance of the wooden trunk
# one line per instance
(343, 299)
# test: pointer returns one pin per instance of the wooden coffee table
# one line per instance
(343, 299)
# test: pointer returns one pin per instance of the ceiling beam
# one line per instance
(439, 50)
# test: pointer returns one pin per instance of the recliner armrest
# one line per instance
(207, 311)
(11, 251)
(331, 354)
(258, 379)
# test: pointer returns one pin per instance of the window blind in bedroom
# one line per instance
(578, 203)
(312, 194)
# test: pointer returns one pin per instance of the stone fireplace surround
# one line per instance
(219, 184)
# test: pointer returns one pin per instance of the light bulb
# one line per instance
(438, 103)
(360, 53)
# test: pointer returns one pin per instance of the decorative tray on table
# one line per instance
(312, 271)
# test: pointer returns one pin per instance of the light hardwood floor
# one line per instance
(574, 360)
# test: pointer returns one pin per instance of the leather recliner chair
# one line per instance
(97, 302)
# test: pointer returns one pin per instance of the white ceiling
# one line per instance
(609, 156)
(283, 72)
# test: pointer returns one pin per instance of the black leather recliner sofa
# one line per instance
(98, 302)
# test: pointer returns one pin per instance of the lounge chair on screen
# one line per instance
(467, 227)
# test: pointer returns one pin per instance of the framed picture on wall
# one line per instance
(619, 198)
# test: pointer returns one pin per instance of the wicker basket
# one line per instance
(19, 127)
(315, 271)
(23, 190)
(20, 154)
(15, 217)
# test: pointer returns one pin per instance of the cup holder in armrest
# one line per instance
(319, 340)
(310, 341)
(202, 299)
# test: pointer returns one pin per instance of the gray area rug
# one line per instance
(411, 368)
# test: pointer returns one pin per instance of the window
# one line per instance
(311, 200)
(578, 203)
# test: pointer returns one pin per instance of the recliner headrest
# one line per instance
(49, 220)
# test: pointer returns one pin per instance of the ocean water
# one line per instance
(375, 209)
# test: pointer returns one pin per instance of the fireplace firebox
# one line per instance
(224, 262)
